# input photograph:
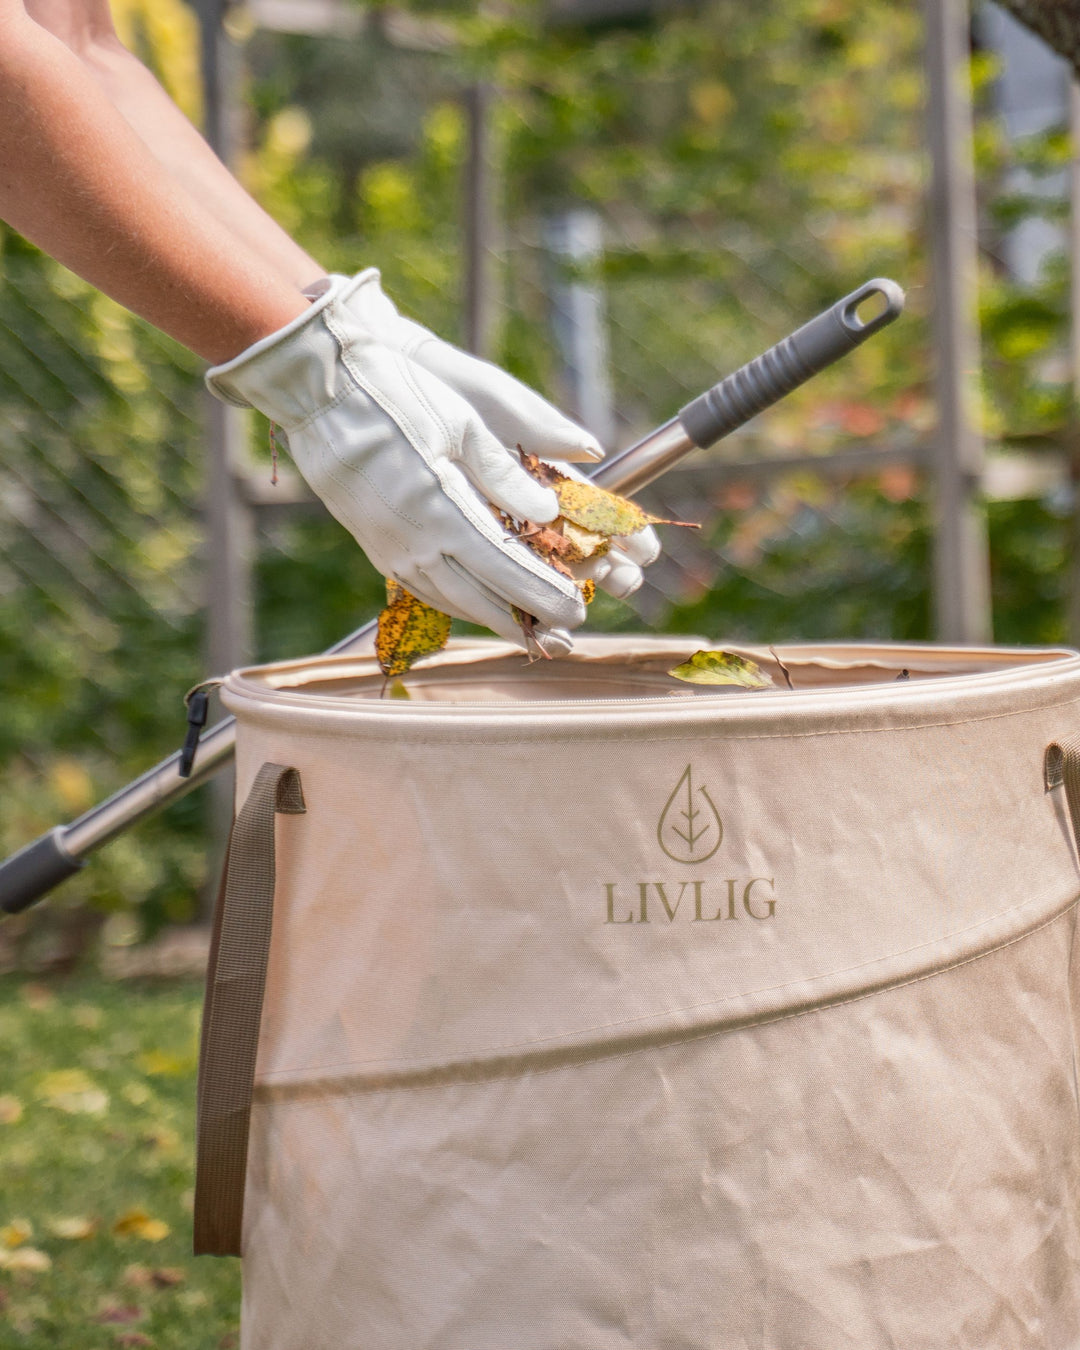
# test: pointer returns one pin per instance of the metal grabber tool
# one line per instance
(29, 875)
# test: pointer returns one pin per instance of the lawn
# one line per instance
(97, 1096)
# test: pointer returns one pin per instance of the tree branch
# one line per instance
(1057, 22)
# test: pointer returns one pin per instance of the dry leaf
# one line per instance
(117, 1314)
(137, 1223)
(408, 630)
(592, 507)
(707, 667)
(71, 1090)
(71, 1229)
(584, 543)
(11, 1110)
(588, 590)
(25, 1258)
(15, 1233)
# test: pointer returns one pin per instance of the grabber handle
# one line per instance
(32, 872)
(791, 362)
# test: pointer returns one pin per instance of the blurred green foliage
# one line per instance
(751, 164)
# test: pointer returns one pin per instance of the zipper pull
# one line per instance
(197, 700)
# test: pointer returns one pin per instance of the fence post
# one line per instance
(228, 518)
(480, 225)
(1073, 596)
(962, 568)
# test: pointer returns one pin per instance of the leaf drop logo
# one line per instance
(690, 829)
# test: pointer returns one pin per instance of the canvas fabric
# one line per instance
(603, 1012)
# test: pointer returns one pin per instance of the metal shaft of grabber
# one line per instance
(29, 875)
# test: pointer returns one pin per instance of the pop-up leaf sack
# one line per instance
(570, 1006)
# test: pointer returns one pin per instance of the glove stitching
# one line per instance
(353, 470)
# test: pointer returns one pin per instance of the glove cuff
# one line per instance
(292, 374)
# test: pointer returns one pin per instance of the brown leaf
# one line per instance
(408, 630)
(544, 473)
(120, 1314)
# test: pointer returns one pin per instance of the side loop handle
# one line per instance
(1061, 768)
(232, 1011)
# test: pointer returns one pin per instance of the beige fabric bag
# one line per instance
(608, 1013)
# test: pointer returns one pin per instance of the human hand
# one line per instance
(515, 414)
(409, 467)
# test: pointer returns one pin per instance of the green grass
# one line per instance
(97, 1096)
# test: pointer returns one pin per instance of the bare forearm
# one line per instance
(182, 151)
(77, 181)
(86, 28)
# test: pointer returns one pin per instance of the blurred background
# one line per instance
(620, 201)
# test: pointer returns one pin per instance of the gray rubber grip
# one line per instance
(792, 362)
(34, 871)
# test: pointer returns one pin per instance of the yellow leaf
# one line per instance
(722, 668)
(71, 1230)
(137, 1223)
(72, 784)
(11, 1110)
(15, 1233)
(162, 1064)
(73, 1091)
(25, 1258)
(602, 512)
(588, 590)
(408, 630)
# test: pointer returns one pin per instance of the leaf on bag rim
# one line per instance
(706, 667)
(408, 630)
(588, 590)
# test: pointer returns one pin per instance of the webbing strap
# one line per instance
(1062, 766)
(232, 1011)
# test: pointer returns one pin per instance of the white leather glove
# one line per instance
(408, 466)
(515, 414)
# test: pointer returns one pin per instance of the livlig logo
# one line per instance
(690, 829)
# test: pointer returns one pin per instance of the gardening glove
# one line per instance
(513, 413)
(407, 465)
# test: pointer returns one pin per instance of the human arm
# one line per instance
(86, 28)
(77, 181)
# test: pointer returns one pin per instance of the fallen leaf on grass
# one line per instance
(162, 1064)
(11, 1110)
(162, 1277)
(137, 1223)
(16, 1232)
(707, 667)
(37, 996)
(25, 1258)
(408, 630)
(71, 1229)
(120, 1314)
(73, 1091)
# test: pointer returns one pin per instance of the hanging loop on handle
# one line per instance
(232, 1011)
(808, 350)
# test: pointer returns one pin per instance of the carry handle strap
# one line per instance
(232, 1011)
(1061, 767)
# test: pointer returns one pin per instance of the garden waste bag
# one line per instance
(566, 1006)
